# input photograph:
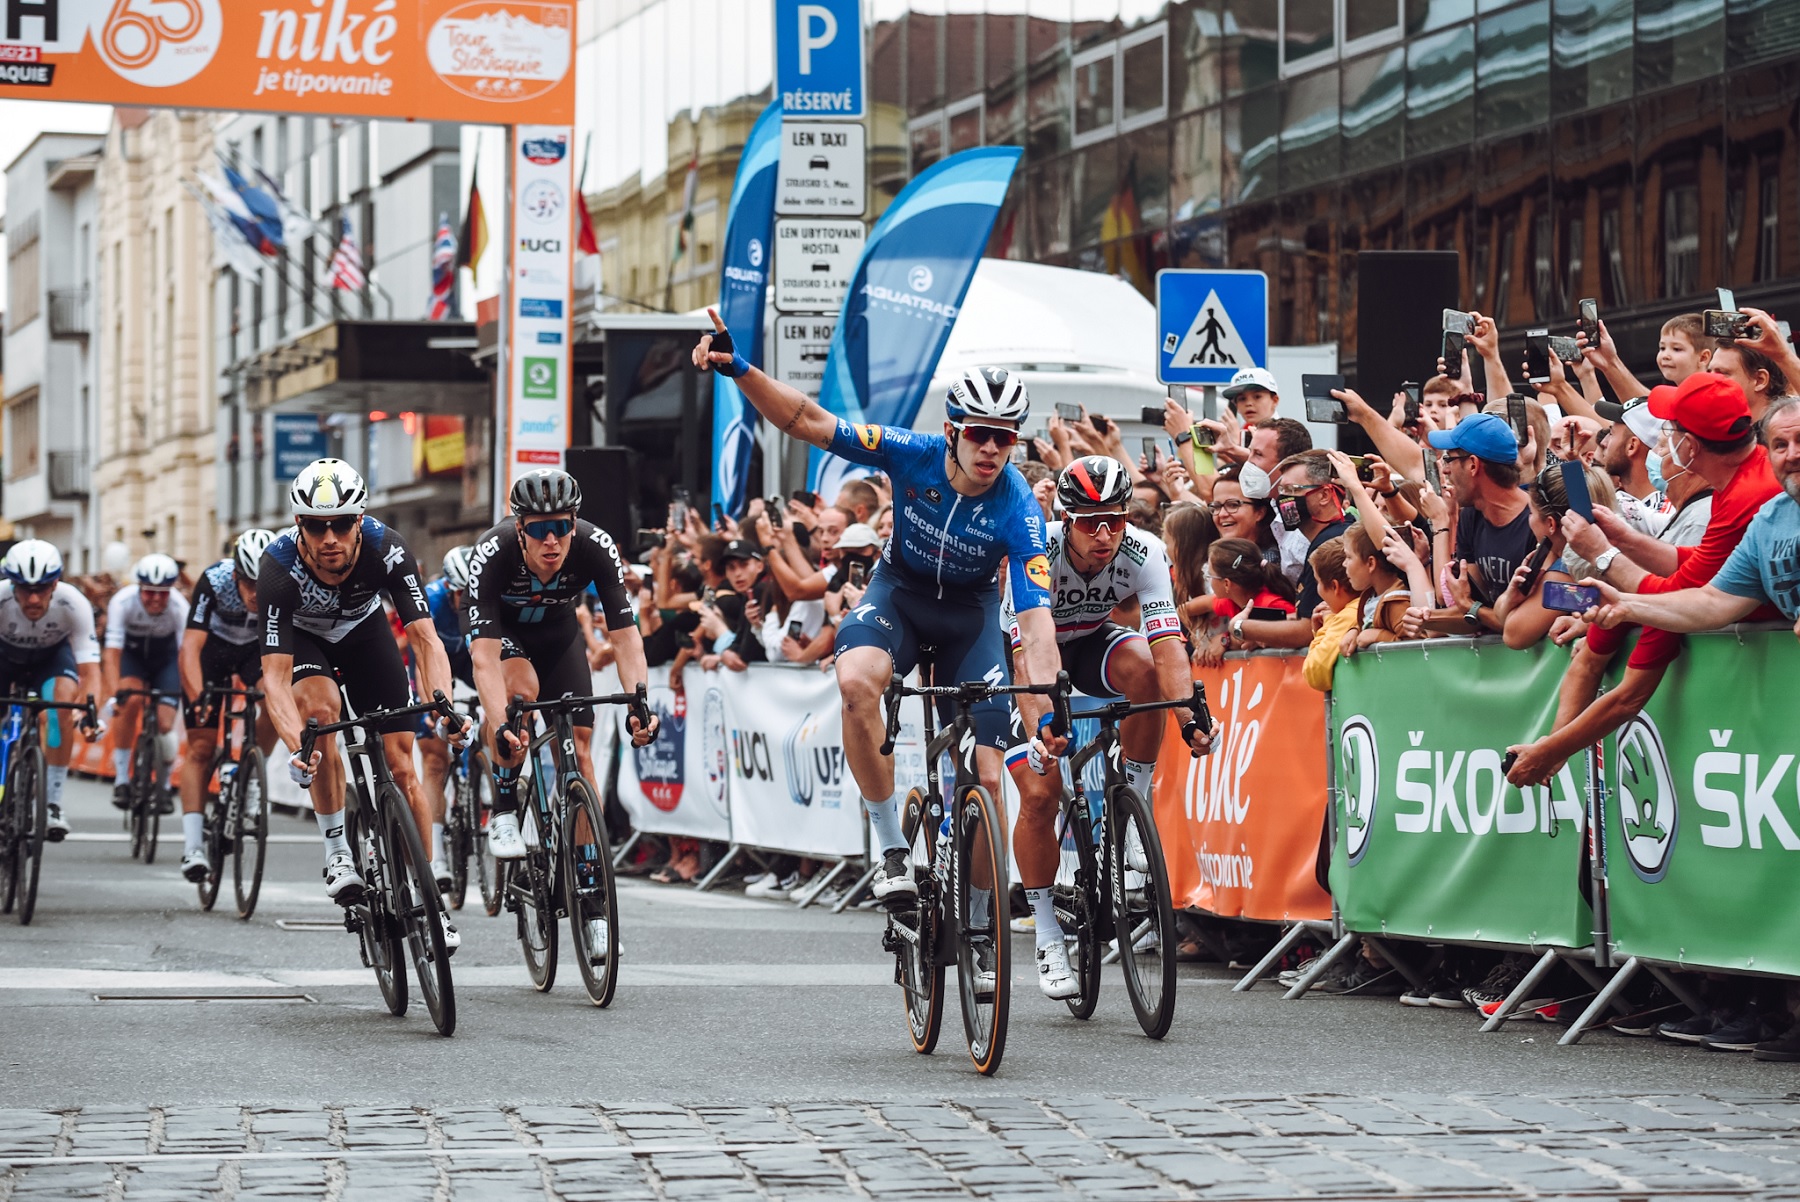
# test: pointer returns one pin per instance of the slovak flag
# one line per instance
(443, 270)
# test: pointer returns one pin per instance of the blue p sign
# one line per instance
(818, 58)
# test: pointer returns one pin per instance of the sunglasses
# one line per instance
(982, 435)
(35, 590)
(338, 526)
(1094, 523)
(559, 527)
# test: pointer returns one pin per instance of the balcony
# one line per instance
(69, 314)
(68, 476)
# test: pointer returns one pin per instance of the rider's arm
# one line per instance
(277, 597)
(81, 638)
(192, 679)
(278, 696)
(109, 671)
(429, 655)
(114, 647)
(1037, 635)
(407, 592)
(787, 409)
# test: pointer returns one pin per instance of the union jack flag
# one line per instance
(443, 270)
(346, 264)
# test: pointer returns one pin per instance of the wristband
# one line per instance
(739, 365)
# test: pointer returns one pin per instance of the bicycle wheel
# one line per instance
(215, 839)
(143, 804)
(12, 836)
(415, 899)
(590, 893)
(251, 840)
(1082, 912)
(481, 807)
(380, 929)
(921, 972)
(983, 945)
(33, 804)
(1143, 917)
(532, 885)
(457, 842)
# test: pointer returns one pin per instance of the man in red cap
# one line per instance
(1706, 431)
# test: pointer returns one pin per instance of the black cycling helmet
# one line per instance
(1094, 483)
(546, 490)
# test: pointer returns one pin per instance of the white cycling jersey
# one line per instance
(69, 619)
(129, 623)
(1139, 569)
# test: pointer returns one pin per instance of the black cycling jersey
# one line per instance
(217, 607)
(291, 598)
(505, 597)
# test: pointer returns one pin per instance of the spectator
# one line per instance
(1383, 588)
(1343, 602)
(1188, 536)
(1759, 376)
(1682, 349)
(1624, 452)
(1277, 438)
(884, 524)
(1480, 462)
(1239, 516)
(1438, 402)
(859, 501)
(1243, 581)
(1252, 396)
(1523, 619)
(792, 632)
(732, 621)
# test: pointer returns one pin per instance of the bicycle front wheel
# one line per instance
(458, 842)
(414, 895)
(983, 946)
(252, 836)
(30, 802)
(1081, 909)
(1143, 915)
(481, 808)
(593, 901)
(216, 839)
(381, 933)
(13, 829)
(531, 885)
(921, 971)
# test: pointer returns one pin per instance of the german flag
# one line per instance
(474, 238)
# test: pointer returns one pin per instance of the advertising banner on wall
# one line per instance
(791, 787)
(677, 785)
(543, 226)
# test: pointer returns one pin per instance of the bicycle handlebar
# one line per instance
(638, 701)
(972, 691)
(89, 711)
(437, 705)
(222, 691)
(1196, 703)
(168, 698)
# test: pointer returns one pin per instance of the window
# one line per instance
(23, 290)
(1681, 240)
(1768, 227)
(1316, 32)
(1121, 85)
(938, 135)
(23, 457)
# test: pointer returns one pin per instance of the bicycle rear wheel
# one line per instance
(415, 898)
(32, 805)
(590, 893)
(532, 886)
(143, 804)
(983, 945)
(12, 835)
(1082, 912)
(215, 839)
(381, 929)
(481, 807)
(252, 835)
(921, 972)
(1143, 916)
(457, 842)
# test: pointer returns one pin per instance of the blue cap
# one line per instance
(1483, 436)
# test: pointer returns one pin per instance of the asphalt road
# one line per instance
(746, 1029)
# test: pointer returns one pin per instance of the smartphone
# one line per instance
(1099, 422)
(1570, 598)
(1574, 475)
(1204, 435)
(1179, 394)
(1248, 434)
(811, 500)
(1433, 478)
(1537, 356)
(1327, 410)
(718, 517)
(856, 573)
(1413, 393)
(1565, 349)
(1321, 406)
(1456, 321)
(1068, 412)
(1518, 417)
(1364, 472)
(1589, 321)
(1454, 343)
(1266, 613)
(1018, 453)
(796, 630)
(1534, 565)
(773, 507)
(709, 595)
(1725, 321)
(1151, 416)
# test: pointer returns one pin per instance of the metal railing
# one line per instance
(69, 313)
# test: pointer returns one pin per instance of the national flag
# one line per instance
(265, 230)
(346, 265)
(1119, 230)
(585, 242)
(443, 269)
(473, 242)
(296, 224)
(230, 205)
(227, 237)
(684, 229)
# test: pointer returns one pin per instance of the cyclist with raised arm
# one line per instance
(1099, 565)
(142, 651)
(525, 583)
(445, 596)
(47, 636)
(326, 639)
(960, 509)
(221, 642)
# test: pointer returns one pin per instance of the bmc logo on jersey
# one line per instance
(1037, 569)
(869, 436)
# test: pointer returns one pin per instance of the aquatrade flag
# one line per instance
(749, 225)
(906, 292)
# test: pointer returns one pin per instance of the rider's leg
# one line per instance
(434, 762)
(125, 729)
(863, 674)
(399, 748)
(202, 741)
(1131, 673)
(521, 681)
(316, 697)
(584, 756)
(56, 759)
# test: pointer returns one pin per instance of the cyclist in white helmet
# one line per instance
(47, 636)
(142, 651)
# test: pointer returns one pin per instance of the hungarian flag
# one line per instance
(473, 243)
(443, 269)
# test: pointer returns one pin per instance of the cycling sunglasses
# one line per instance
(560, 527)
(338, 526)
(1094, 523)
(982, 435)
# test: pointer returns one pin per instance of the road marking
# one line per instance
(559, 1152)
(170, 837)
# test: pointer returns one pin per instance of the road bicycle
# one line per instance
(465, 827)
(150, 798)
(399, 901)
(959, 865)
(235, 803)
(25, 804)
(567, 869)
(1121, 889)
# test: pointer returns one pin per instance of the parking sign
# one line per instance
(1210, 324)
(819, 58)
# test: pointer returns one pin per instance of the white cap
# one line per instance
(1644, 425)
(1247, 378)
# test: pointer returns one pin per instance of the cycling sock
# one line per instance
(57, 777)
(331, 826)
(981, 908)
(884, 820)
(122, 766)
(1138, 774)
(1043, 910)
(437, 841)
(506, 790)
(193, 831)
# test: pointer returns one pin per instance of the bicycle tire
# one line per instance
(981, 852)
(487, 869)
(1141, 912)
(213, 807)
(532, 882)
(598, 898)
(921, 972)
(1084, 915)
(457, 843)
(145, 821)
(251, 845)
(28, 783)
(381, 931)
(12, 833)
(413, 890)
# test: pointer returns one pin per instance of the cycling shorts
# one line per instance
(219, 662)
(959, 630)
(559, 657)
(1088, 660)
(157, 663)
(28, 669)
(365, 664)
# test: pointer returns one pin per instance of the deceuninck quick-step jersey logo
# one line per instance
(1645, 795)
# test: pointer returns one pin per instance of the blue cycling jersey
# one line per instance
(445, 616)
(942, 537)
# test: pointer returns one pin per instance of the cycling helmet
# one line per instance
(987, 394)
(156, 571)
(33, 561)
(328, 488)
(1094, 483)
(546, 490)
(456, 566)
(246, 553)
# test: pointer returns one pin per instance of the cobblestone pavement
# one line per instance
(1076, 1147)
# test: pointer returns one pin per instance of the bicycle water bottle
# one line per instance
(940, 867)
(227, 774)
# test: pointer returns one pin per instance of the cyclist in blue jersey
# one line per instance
(444, 597)
(960, 509)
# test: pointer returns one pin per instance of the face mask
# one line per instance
(1653, 465)
(1291, 515)
(1255, 482)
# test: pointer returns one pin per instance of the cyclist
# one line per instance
(47, 636)
(143, 632)
(525, 583)
(960, 507)
(221, 642)
(445, 596)
(1099, 565)
(326, 639)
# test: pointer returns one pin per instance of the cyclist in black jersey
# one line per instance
(525, 584)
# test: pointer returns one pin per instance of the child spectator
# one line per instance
(1683, 348)
(1334, 589)
(1384, 591)
(1244, 581)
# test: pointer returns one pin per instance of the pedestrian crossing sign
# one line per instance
(1210, 324)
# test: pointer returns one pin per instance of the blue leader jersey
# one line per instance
(941, 537)
(447, 620)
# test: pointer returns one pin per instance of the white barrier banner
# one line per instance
(791, 788)
(677, 785)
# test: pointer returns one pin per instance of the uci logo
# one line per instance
(1646, 799)
(1359, 780)
(552, 246)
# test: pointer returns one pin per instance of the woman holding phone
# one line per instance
(1524, 617)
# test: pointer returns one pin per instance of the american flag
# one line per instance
(346, 264)
(443, 270)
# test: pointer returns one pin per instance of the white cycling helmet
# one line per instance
(456, 566)
(328, 488)
(156, 571)
(246, 553)
(33, 561)
(988, 394)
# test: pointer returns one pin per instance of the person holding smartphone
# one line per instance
(1524, 619)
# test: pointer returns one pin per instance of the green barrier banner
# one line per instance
(1703, 811)
(1432, 842)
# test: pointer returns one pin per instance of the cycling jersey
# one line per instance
(130, 627)
(447, 618)
(291, 598)
(941, 536)
(219, 609)
(70, 619)
(1081, 604)
(506, 596)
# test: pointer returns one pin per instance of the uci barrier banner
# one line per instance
(791, 788)
(1703, 811)
(678, 785)
(1240, 828)
(1432, 841)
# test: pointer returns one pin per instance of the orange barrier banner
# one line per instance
(1240, 828)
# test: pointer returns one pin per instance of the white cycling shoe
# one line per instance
(194, 866)
(503, 837)
(452, 939)
(1055, 977)
(343, 884)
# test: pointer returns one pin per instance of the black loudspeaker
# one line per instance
(1401, 296)
(608, 481)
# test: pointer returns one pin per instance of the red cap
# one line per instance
(1706, 404)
